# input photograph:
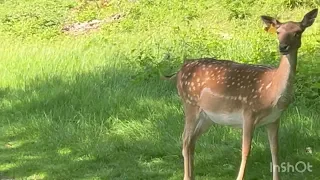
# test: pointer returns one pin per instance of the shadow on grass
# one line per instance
(105, 125)
(98, 124)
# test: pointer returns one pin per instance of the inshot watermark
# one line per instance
(299, 167)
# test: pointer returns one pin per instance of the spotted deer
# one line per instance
(240, 95)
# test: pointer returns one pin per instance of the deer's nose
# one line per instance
(283, 47)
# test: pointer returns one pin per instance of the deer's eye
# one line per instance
(297, 34)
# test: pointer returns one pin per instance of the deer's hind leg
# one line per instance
(195, 125)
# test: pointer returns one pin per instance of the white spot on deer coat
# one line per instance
(269, 85)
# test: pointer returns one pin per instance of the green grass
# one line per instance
(93, 106)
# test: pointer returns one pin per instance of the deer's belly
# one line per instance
(234, 119)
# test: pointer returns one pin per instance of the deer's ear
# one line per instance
(271, 24)
(309, 18)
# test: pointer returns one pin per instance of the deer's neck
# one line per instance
(284, 75)
(289, 62)
(287, 67)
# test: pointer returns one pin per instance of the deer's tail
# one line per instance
(168, 77)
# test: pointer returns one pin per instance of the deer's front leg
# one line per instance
(273, 141)
(247, 131)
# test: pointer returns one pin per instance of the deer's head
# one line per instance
(289, 33)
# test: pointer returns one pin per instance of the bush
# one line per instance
(34, 18)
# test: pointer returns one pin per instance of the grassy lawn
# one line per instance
(93, 106)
